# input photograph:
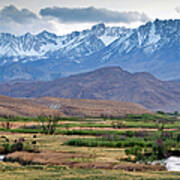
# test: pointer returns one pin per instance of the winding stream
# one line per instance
(172, 163)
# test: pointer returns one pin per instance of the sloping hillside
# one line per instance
(92, 108)
(66, 107)
(111, 83)
(24, 107)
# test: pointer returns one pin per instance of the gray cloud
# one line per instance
(19, 21)
(11, 13)
(92, 15)
(13, 20)
(177, 9)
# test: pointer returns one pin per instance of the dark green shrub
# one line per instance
(17, 147)
(137, 151)
(161, 112)
(176, 113)
(118, 124)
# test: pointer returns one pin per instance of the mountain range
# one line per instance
(153, 47)
(108, 83)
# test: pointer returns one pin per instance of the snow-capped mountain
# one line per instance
(153, 47)
(45, 43)
(45, 56)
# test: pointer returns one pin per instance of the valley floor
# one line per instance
(84, 152)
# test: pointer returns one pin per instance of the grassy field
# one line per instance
(31, 172)
(86, 148)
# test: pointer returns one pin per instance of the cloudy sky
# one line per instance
(64, 16)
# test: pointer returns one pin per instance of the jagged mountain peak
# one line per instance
(153, 47)
(149, 37)
(41, 44)
(46, 34)
(99, 29)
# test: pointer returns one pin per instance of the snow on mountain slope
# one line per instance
(148, 39)
(153, 47)
(45, 42)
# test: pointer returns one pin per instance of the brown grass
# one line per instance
(23, 107)
(62, 158)
(67, 107)
(94, 108)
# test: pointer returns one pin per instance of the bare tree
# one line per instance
(49, 123)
